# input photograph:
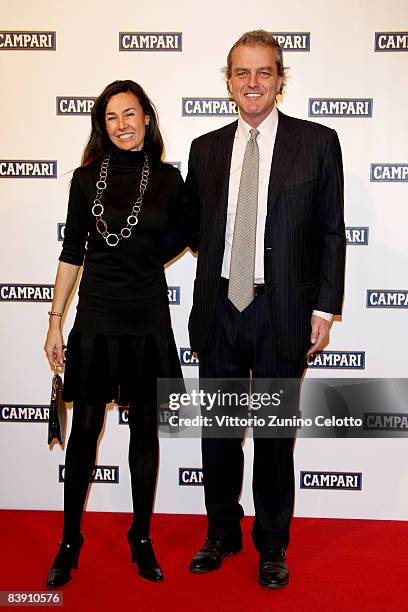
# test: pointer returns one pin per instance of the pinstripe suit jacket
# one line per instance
(304, 243)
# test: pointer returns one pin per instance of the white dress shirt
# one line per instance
(266, 142)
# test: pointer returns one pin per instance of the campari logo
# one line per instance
(344, 481)
(357, 235)
(208, 107)
(26, 293)
(190, 477)
(387, 298)
(187, 358)
(164, 415)
(150, 41)
(391, 41)
(27, 41)
(176, 164)
(293, 41)
(348, 360)
(24, 413)
(101, 473)
(123, 412)
(385, 421)
(60, 231)
(28, 168)
(74, 106)
(340, 107)
(389, 173)
(173, 295)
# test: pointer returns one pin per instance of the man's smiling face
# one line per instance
(254, 81)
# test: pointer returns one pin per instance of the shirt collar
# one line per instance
(266, 129)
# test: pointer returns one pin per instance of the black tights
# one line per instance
(87, 423)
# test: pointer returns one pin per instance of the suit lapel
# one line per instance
(222, 164)
(284, 153)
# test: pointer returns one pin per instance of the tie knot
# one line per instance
(253, 134)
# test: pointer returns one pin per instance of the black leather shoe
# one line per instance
(142, 553)
(211, 555)
(66, 559)
(273, 571)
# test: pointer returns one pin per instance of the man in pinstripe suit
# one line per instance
(296, 284)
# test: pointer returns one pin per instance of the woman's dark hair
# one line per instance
(99, 141)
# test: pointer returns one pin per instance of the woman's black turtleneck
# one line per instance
(133, 269)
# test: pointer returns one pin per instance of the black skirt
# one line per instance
(115, 346)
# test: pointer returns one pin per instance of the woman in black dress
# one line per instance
(126, 218)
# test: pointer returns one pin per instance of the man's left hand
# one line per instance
(319, 337)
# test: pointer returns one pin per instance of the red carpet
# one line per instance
(336, 565)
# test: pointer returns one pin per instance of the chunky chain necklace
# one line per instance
(98, 210)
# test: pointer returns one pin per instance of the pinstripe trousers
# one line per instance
(241, 344)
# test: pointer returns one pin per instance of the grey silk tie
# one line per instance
(242, 268)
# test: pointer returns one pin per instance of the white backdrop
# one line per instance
(340, 63)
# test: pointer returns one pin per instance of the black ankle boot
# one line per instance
(66, 559)
(142, 553)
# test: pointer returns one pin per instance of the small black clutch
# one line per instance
(57, 413)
